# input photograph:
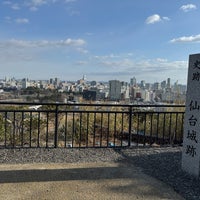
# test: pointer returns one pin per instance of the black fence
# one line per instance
(28, 125)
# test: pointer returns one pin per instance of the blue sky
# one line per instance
(102, 39)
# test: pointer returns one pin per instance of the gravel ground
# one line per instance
(163, 164)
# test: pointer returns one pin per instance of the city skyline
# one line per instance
(106, 40)
(132, 81)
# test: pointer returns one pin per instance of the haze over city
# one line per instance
(104, 40)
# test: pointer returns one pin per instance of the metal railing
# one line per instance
(31, 125)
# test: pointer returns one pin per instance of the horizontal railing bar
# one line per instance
(167, 112)
(87, 111)
(89, 104)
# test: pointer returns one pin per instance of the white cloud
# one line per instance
(186, 39)
(144, 65)
(188, 7)
(7, 19)
(106, 57)
(22, 21)
(89, 34)
(77, 42)
(15, 7)
(83, 51)
(14, 50)
(166, 18)
(156, 18)
(153, 19)
(33, 8)
(150, 69)
(34, 5)
(69, 1)
(38, 2)
(161, 60)
(42, 43)
(7, 2)
(72, 12)
(81, 62)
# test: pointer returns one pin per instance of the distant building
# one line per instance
(148, 86)
(84, 77)
(90, 95)
(142, 84)
(114, 90)
(156, 86)
(163, 84)
(168, 83)
(124, 91)
(134, 93)
(133, 82)
(51, 81)
(93, 83)
(118, 90)
(57, 82)
(25, 83)
(94, 95)
(145, 95)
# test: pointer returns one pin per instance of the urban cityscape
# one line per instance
(82, 90)
(99, 99)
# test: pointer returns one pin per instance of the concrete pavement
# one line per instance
(102, 180)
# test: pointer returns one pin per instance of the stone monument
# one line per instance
(191, 137)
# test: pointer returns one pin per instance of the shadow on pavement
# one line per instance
(131, 177)
(112, 182)
(42, 175)
(165, 167)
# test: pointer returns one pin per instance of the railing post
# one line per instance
(56, 128)
(130, 125)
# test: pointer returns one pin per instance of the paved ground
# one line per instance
(100, 180)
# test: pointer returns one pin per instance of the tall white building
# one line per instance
(125, 91)
(145, 95)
